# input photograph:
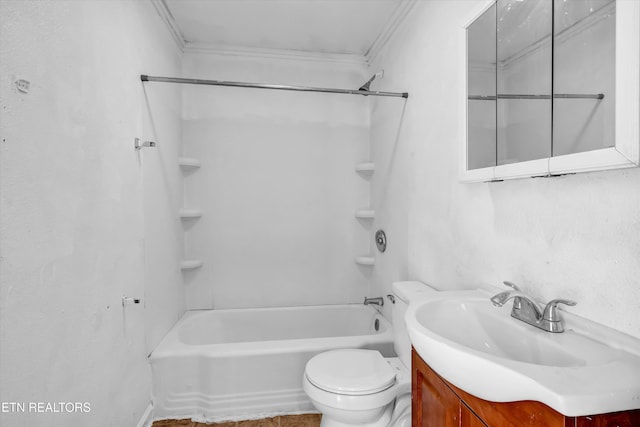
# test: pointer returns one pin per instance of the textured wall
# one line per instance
(277, 184)
(574, 236)
(72, 206)
(162, 182)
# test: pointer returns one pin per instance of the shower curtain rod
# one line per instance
(146, 78)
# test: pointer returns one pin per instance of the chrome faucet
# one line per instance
(375, 301)
(526, 310)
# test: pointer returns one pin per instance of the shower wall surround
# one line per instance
(573, 236)
(389, 191)
(277, 185)
(72, 212)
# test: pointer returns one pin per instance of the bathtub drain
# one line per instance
(376, 324)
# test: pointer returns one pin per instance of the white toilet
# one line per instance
(360, 387)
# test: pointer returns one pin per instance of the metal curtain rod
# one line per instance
(146, 78)
(555, 95)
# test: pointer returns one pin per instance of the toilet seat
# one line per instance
(352, 372)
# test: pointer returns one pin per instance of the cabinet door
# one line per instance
(433, 402)
(468, 418)
(615, 419)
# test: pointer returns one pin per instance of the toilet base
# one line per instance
(387, 408)
(378, 418)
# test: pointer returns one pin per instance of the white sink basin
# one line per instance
(588, 369)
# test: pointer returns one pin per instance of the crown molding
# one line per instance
(392, 25)
(168, 19)
(395, 21)
(251, 52)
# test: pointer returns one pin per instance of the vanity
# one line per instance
(438, 403)
(474, 365)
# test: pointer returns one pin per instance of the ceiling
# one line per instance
(320, 28)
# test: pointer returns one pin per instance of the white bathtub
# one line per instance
(236, 364)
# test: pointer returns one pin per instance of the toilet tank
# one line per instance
(403, 292)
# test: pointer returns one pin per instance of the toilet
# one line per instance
(361, 387)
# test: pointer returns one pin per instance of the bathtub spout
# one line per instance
(376, 301)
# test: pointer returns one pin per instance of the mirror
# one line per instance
(524, 80)
(584, 75)
(544, 86)
(481, 72)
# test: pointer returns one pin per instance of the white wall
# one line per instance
(574, 236)
(277, 184)
(72, 206)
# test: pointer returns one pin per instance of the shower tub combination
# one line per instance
(219, 365)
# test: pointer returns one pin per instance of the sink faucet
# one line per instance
(526, 310)
(376, 301)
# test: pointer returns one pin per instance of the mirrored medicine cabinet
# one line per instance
(551, 87)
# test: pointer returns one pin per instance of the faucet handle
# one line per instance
(511, 285)
(551, 310)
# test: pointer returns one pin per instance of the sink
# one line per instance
(479, 326)
(588, 369)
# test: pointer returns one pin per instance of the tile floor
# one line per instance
(302, 420)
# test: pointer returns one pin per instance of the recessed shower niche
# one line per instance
(543, 88)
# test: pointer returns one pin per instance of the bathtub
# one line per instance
(217, 365)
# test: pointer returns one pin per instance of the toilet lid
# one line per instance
(352, 372)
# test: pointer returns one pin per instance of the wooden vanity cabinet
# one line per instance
(437, 403)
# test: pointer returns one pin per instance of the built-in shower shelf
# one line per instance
(190, 264)
(188, 162)
(190, 213)
(365, 167)
(365, 260)
(365, 213)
